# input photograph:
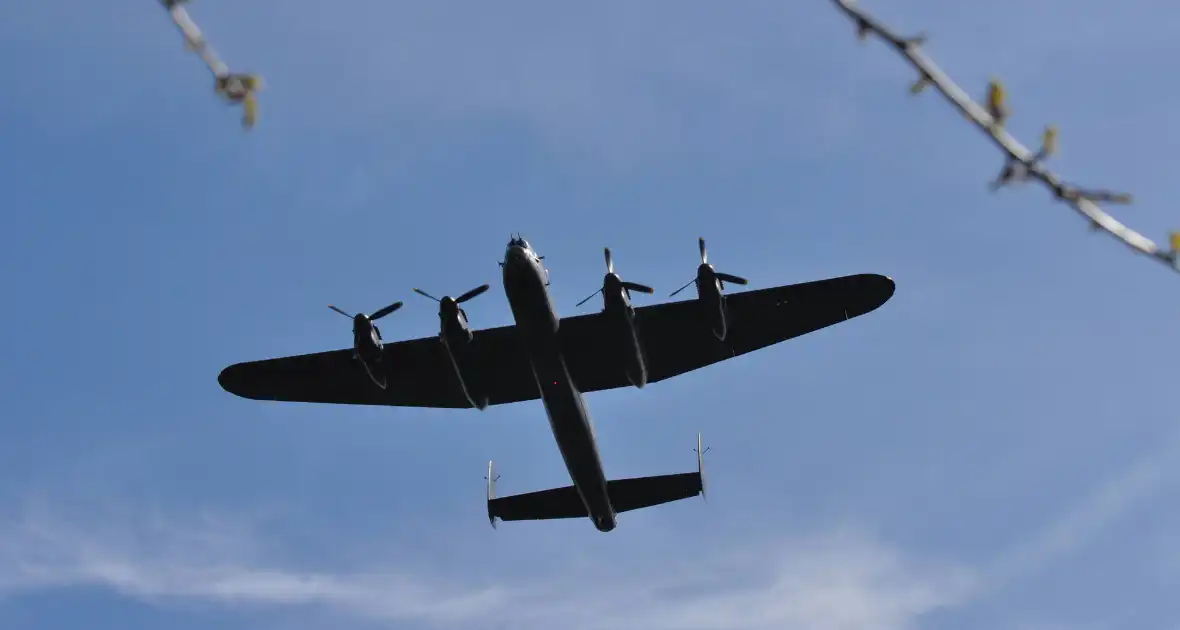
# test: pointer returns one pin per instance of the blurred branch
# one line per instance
(237, 88)
(1021, 163)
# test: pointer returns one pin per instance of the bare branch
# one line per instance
(236, 88)
(1021, 163)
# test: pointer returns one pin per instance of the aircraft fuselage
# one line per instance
(526, 286)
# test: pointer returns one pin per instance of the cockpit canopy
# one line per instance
(518, 241)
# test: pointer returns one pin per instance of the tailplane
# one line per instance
(642, 492)
(701, 465)
(492, 477)
(625, 495)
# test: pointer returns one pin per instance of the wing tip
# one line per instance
(230, 380)
(876, 289)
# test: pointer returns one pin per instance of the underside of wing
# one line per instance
(417, 373)
(677, 337)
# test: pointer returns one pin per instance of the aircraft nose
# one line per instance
(515, 252)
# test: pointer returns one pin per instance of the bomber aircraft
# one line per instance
(557, 359)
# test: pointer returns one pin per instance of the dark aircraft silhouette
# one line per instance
(556, 360)
(710, 283)
(366, 340)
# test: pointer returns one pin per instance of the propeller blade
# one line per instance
(731, 279)
(470, 294)
(682, 288)
(587, 298)
(340, 311)
(704, 253)
(425, 294)
(610, 263)
(385, 311)
(642, 288)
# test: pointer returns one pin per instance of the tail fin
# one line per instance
(492, 477)
(701, 465)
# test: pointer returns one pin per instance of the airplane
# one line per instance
(557, 360)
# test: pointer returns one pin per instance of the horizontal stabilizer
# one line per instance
(540, 505)
(641, 492)
(625, 495)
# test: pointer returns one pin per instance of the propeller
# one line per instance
(450, 302)
(723, 277)
(610, 272)
(375, 316)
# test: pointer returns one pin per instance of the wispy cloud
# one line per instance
(841, 579)
(1099, 509)
(835, 581)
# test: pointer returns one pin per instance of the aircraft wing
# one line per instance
(418, 374)
(675, 340)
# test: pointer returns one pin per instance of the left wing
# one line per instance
(418, 373)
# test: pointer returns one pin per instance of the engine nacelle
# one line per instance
(619, 315)
(631, 350)
(366, 339)
(637, 373)
(456, 337)
(454, 329)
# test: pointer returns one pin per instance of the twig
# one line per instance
(1021, 163)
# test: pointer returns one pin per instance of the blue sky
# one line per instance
(995, 447)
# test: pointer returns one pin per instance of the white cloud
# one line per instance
(831, 582)
(841, 579)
